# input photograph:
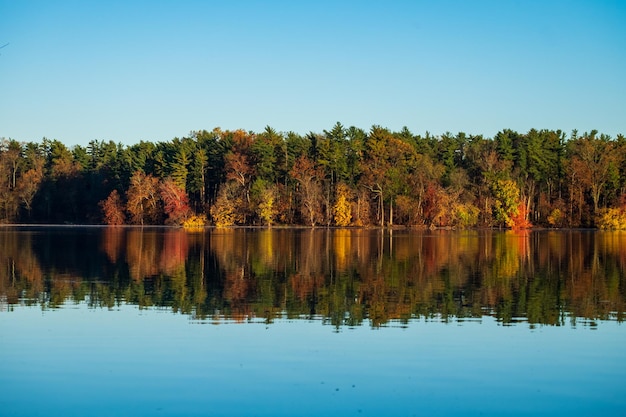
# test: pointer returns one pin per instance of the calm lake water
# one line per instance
(298, 322)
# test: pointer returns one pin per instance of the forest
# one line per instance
(342, 177)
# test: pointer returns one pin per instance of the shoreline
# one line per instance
(297, 227)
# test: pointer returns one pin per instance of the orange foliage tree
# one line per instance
(113, 209)
(519, 219)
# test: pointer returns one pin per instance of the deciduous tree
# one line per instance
(113, 209)
(143, 199)
(342, 209)
(308, 177)
(175, 202)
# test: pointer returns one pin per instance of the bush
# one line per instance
(195, 222)
(611, 219)
(466, 215)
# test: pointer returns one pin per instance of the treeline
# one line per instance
(340, 177)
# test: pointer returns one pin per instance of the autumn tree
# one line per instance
(342, 209)
(408, 211)
(266, 202)
(308, 176)
(224, 211)
(425, 174)
(175, 202)
(387, 163)
(113, 209)
(507, 203)
(535, 160)
(485, 169)
(143, 199)
(593, 164)
(613, 218)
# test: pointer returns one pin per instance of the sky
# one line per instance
(154, 70)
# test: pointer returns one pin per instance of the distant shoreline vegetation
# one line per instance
(342, 177)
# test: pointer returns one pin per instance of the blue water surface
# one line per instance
(126, 361)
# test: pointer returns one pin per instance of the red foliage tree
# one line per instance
(175, 202)
(113, 209)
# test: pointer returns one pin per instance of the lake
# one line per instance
(98, 321)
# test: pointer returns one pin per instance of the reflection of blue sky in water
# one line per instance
(76, 361)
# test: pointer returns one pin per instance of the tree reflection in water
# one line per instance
(341, 276)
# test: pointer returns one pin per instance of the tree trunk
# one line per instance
(381, 208)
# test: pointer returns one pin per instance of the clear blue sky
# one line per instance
(154, 70)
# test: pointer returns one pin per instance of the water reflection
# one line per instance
(344, 277)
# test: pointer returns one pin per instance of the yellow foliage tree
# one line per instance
(466, 215)
(556, 217)
(507, 201)
(612, 219)
(223, 212)
(267, 207)
(343, 208)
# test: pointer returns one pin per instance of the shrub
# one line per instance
(195, 222)
(611, 219)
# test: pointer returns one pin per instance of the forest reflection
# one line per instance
(343, 277)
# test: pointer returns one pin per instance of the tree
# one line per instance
(537, 167)
(593, 163)
(198, 183)
(267, 207)
(465, 215)
(113, 209)
(10, 151)
(507, 203)
(28, 186)
(342, 209)
(267, 154)
(376, 165)
(143, 199)
(424, 175)
(484, 169)
(178, 168)
(450, 152)
(62, 193)
(308, 176)
(408, 210)
(211, 173)
(224, 211)
(239, 169)
(29, 183)
(175, 202)
(333, 153)
(387, 164)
